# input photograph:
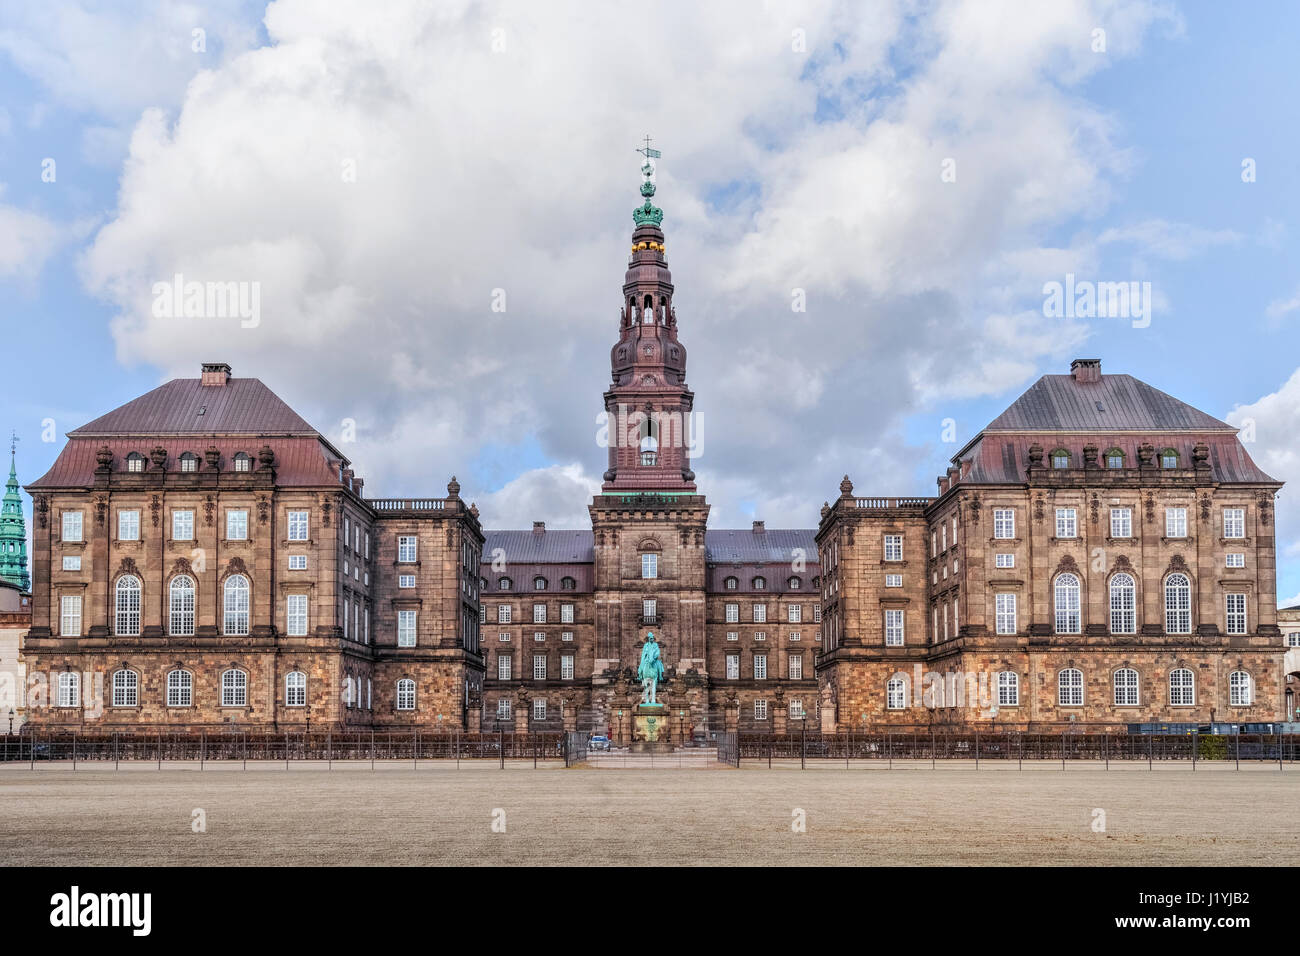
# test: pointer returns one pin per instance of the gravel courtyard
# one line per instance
(437, 814)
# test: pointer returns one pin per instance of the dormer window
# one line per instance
(189, 462)
(1060, 459)
(794, 584)
(1169, 458)
(1114, 458)
(243, 462)
(504, 584)
(568, 584)
(539, 583)
(731, 584)
(760, 584)
(135, 462)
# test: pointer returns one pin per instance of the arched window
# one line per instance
(731, 584)
(1067, 604)
(181, 619)
(1060, 458)
(1239, 689)
(349, 695)
(539, 583)
(1114, 458)
(1126, 687)
(295, 689)
(180, 688)
(1182, 686)
(126, 688)
(234, 688)
(568, 584)
(896, 693)
(1008, 689)
(648, 438)
(794, 584)
(1178, 604)
(189, 461)
(1069, 687)
(243, 462)
(135, 462)
(1123, 605)
(69, 689)
(504, 584)
(760, 584)
(126, 606)
(235, 618)
(406, 694)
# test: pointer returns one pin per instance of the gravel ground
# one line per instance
(398, 815)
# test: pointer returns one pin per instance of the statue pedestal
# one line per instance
(650, 723)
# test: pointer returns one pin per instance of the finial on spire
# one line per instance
(13, 443)
(648, 214)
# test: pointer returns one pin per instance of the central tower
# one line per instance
(648, 520)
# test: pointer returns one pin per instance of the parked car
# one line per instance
(597, 742)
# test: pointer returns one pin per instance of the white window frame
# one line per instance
(73, 526)
(180, 688)
(406, 580)
(505, 666)
(733, 667)
(1234, 559)
(126, 615)
(1067, 522)
(126, 688)
(1008, 689)
(1127, 688)
(128, 524)
(1069, 689)
(295, 689)
(297, 562)
(236, 524)
(896, 694)
(503, 613)
(893, 547)
(893, 580)
(649, 565)
(1004, 604)
(894, 627)
(1234, 608)
(234, 687)
(299, 525)
(1240, 689)
(182, 600)
(406, 627)
(69, 689)
(182, 524)
(1182, 687)
(1234, 522)
(539, 667)
(794, 665)
(1175, 522)
(1004, 524)
(566, 667)
(1121, 522)
(235, 606)
(1067, 603)
(1178, 612)
(760, 667)
(407, 548)
(1004, 559)
(295, 615)
(405, 694)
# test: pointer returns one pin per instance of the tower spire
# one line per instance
(13, 529)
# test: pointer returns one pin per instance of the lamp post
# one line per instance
(11, 721)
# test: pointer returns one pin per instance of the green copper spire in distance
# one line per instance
(13, 531)
(648, 214)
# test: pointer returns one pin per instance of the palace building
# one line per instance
(1099, 554)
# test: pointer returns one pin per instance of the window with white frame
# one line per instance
(1234, 522)
(733, 635)
(126, 606)
(1121, 522)
(893, 547)
(135, 462)
(126, 688)
(1004, 560)
(1126, 687)
(760, 635)
(817, 613)
(1234, 560)
(1004, 607)
(566, 635)
(566, 667)
(733, 667)
(896, 693)
(406, 548)
(733, 613)
(182, 525)
(180, 688)
(69, 689)
(1123, 604)
(1239, 689)
(234, 688)
(236, 525)
(796, 708)
(539, 667)
(297, 526)
(795, 665)
(406, 580)
(295, 616)
(760, 667)
(566, 613)
(503, 636)
(539, 708)
(760, 709)
(72, 562)
(1004, 523)
(406, 694)
(504, 663)
(760, 613)
(649, 608)
(1008, 689)
(894, 628)
(234, 617)
(1067, 604)
(1182, 687)
(503, 613)
(503, 708)
(1069, 687)
(295, 689)
(1175, 522)
(794, 614)
(181, 606)
(128, 525)
(539, 636)
(406, 628)
(297, 562)
(1293, 639)
(893, 580)
(539, 613)
(1067, 523)
(72, 526)
(649, 565)
(1235, 605)
(1178, 604)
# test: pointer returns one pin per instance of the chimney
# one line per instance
(539, 527)
(758, 527)
(357, 485)
(1086, 370)
(214, 373)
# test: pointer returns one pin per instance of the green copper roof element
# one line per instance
(13, 533)
(648, 214)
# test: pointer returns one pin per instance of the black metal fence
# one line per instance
(575, 747)
(728, 748)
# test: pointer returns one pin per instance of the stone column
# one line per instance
(522, 703)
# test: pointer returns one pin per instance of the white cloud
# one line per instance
(1280, 307)
(557, 495)
(479, 170)
(27, 240)
(1176, 241)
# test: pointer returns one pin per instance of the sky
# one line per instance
(863, 203)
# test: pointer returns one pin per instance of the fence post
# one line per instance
(203, 748)
(1151, 746)
(1105, 746)
(1237, 738)
(889, 748)
(372, 748)
(803, 744)
(977, 750)
(501, 748)
(74, 751)
(115, 757)
(1195, 748)
(243, 747)
(458, 750)
(932, 767)
(160, 750)
(417, 749)
(1279, 752)
(1062, 750)
(329, 751)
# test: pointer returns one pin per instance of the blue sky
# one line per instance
(1185, 96)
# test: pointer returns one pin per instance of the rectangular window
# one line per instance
(1121, 522)
(733, 667)
(182, 525)
(503, 709)
(72, 563)
(1234, 522)
(503, 613)
(817, 613)
(1175, 522)
(503, 666)
(566, 667)
(347, 608)
(406, 580)
(539, 667)
(1236, 606)
(503, 636)
(70, 615)
(760, 667)
(1008, 689)
(649, 565)
(566, 635)
(297, 562)
(760, 710)
(406, 548)
(1066, 523)
(649, 608)
(1004, 523)
(1005, 612)
(794, 614)
(796, 666)
(733, 635)
(893, 580)
(72, 526)
(297, 526)
(1234, 560)
(539, 637)
(760, 613)
(733, 613)
(760, 635)
(539, 613)
(405, 628)
(894, 628)
(796, 709)
(1004, 560)
(236, 525)
(893, 547)
(296, 615)
(566, 613)
(539, 709)
(128, 526)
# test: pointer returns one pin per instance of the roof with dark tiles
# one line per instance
(184, 406)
